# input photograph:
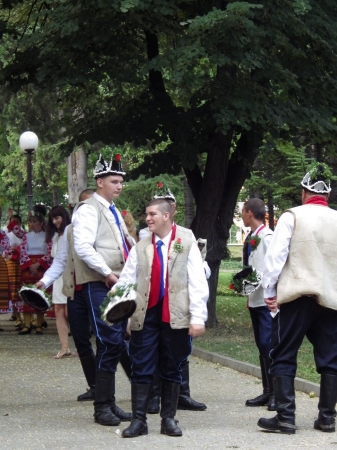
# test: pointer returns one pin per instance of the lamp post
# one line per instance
(28, 143)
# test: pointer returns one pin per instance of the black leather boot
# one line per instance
(126, 362)
(123, 416)
(104, 385)
(270, 382)
(327, 404)
(154, 402)
(140, 394)
(263, 399)
(169, 401)
(284, 421)
(89, 370)
(185, 401)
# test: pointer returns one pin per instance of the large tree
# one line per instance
(210, 79)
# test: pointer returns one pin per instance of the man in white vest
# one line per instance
(102, 244)
(253, 215)
(171, 308)
(300, 286)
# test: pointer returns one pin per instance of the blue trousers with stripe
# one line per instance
(158, 343)
(109, 339)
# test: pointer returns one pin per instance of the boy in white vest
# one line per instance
(300, 286)
(102, 244)
(171, 308)
(253, 216)
(185, 401)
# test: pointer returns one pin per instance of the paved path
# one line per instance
(38, 407)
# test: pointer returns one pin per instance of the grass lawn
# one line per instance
(234, 334)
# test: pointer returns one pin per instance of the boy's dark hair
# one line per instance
(257, 207)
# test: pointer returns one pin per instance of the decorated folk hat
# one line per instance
(120, 304)
(317, 179)
(164, 192)
(246, 281)
(35, 298)
(103, 169)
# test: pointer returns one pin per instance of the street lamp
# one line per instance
(28, 143)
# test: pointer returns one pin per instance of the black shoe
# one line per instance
(122, 415)
(260, 400)
(106, 418)
(170, 427)
(136, 428)
(87, 396)
(154, 405)
(38, 330)
(44, 324)
(24, 331)
(275, 425)
(326, 428)
(188, 404)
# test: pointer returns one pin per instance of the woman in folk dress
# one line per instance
(35, 259)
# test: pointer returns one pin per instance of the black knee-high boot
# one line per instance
(103, 388)
(140, 395)
(262, 399)
(185, 401)
(327, 404)
(89, 370)
(270, 382)
(284, 421)
(169, 401)
(154, 403)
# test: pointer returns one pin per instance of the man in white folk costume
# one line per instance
(102, 244)
(171, 309)
(300, 286)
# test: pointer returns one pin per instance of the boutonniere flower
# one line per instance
(177, 246)
(253, 242)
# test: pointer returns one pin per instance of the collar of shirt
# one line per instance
(102, 200)
(166, 240)
(257, 230)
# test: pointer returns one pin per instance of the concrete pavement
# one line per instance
(38, 407)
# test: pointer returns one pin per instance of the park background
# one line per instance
(219, 100)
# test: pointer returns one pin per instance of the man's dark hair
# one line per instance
(163, 205)
(257, 207)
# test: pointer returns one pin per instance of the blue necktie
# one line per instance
(114, 212)
(161, 259)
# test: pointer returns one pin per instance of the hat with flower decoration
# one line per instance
(103, 169)
(317, 179)
(164, 192)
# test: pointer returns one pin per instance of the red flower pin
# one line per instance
(253, 242)
(124, 212)
(179, 241)
(160, 185)
(118, 158)
(232, 287)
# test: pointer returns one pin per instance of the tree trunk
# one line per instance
(56, 200)
(189, 204)
(77, 164)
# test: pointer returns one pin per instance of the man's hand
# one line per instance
(33, 268)
(271, 302)
(196, 330)
(40, 285)
(110, 280)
